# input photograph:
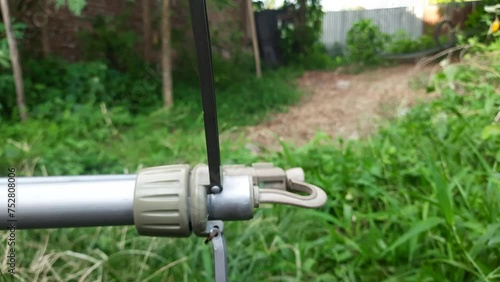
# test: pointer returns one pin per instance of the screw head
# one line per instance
(215, 189)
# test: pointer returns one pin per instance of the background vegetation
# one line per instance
(417, 201)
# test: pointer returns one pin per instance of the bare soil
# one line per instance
(346, 105)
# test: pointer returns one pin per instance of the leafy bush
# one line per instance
(76, 6)
(365, 42)
(7, 90)
(110, 40)
(4, 48)
(54, 86)
(73, 123)
(316, 59)
(477, 22)
(229, 71)
(402, 43)
(298, 39)
(18, 29)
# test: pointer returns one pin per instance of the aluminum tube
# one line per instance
(69, 201)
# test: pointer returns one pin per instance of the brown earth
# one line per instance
(345, 105)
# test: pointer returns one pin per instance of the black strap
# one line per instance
(199, 20)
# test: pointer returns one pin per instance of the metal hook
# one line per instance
(316, 197)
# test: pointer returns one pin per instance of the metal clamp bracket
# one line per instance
(215, 234)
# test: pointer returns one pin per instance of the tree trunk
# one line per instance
(255, 43)
(302, 23)
(146, 28)
(302, 12)
(44, 30)
(14, 57)
(44, 37)
(166, 54)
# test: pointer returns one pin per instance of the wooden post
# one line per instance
(255, 43)
(44, 37)
(166, 54)
(14, 57)
(44, 28)
(146, 28)
(302, 23)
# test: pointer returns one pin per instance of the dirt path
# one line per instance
(343, 105)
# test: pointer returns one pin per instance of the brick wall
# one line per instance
(61, 28)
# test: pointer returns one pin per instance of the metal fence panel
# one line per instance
(391, 20)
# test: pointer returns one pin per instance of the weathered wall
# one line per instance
(58, 29)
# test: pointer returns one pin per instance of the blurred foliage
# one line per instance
(55, 87)
(6, 75)
(221, 4)
(18, 29)
(420, 200)
(110, 40)
(417, 201)
(88, 109)
(365, 42)
(478, 19)
(318, 59)
(299, 39)
(258, 5)
(74, 6)
(401, 42)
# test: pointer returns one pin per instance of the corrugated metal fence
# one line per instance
(390, 20)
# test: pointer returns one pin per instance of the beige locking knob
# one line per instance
(161, 201)
(175, 201)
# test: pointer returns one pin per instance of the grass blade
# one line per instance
(418, 228)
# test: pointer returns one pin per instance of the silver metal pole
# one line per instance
(69, 201)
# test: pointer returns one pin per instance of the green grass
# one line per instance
(417, 201)
(96, 138)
